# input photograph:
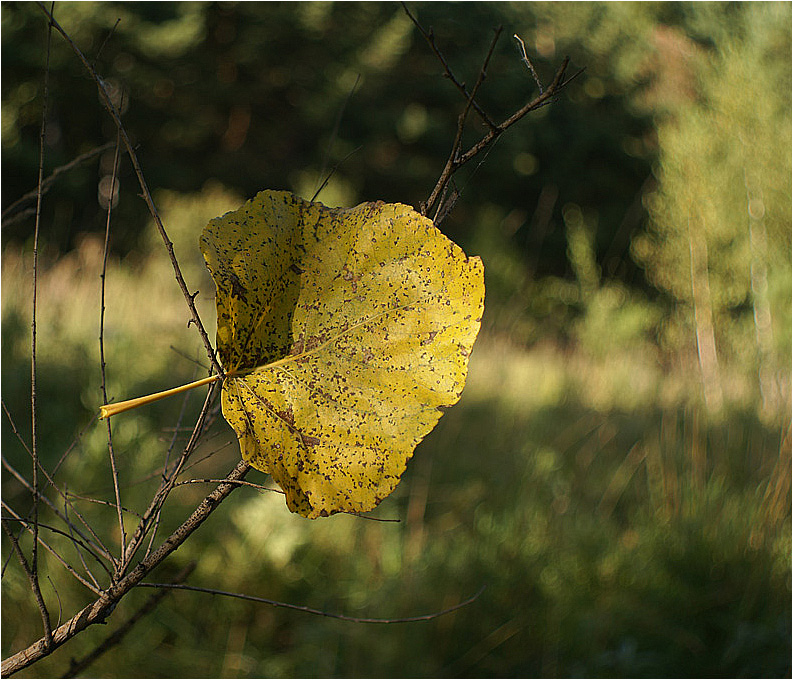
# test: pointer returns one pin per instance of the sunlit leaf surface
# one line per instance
(342, 332)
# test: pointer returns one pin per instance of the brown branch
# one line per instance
(456, 159)
(322, 613)
(452, 162)
(147, 197)
(99, 610)
(52, 551)
(524, 58)
(541, 100)
(430, 38)
(33, 570)
(34, 585)
(8, 212)
(77, 666)
(113, 468)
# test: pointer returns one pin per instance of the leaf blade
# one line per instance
(344, 351)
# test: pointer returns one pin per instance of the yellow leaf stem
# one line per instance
(109, 410)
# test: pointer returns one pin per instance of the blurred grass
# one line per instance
(620, 530)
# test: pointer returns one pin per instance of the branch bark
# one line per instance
(147, 197)
(102, 607)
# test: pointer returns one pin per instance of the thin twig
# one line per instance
(453, 160)
(430, 38)
(214, 481)
(34, 584)
(55, 530)
(97, 611)
(156, 524)
(34, 570)
(77, 666)
(10, 210)
(105, 41)
(322, 613)
(539, 101)
(106, 250)
(99, 546)
(166, 486)
(524, 58)
(53, 552)
(102, 502)
(458, 159)
(334, 169)
(334, 132)
(77, 546)
(14, 429)
(147, 197)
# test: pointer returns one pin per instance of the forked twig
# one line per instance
(431, 40)
(458, 158)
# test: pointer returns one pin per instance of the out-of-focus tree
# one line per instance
(720, 236)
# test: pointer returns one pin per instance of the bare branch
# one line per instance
(34, 584)
(77, 666)
(147, 197)
(113, 468)
(453, 160)
(33, 571)
(102, 607)
(322, 613)
(524, 58)
(430, 38)
(9, 213)
(458, 159)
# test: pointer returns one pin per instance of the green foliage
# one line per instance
(725, 185)
(621, 527)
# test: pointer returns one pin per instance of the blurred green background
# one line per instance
(618, 471)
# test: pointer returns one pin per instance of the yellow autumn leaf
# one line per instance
(342, 333)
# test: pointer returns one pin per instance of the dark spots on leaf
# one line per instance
(238, 290)
(313, 342)
(309, 441)
(297, 346)
(347, 275)
(429, 339)
(287, 415)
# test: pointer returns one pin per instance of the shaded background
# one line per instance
(618, 470)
